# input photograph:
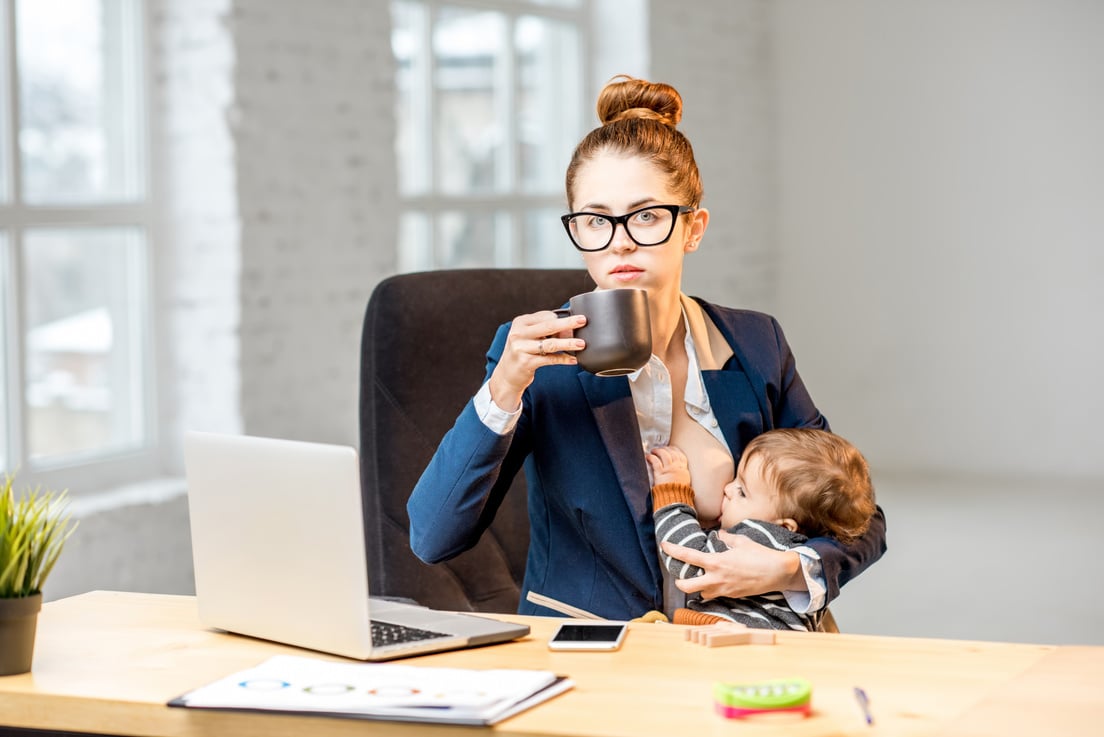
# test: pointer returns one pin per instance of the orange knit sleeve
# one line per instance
(666, 494)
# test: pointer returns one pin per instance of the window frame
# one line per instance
(94, 470)
(514, 202)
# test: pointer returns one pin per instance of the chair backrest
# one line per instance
(423, 354)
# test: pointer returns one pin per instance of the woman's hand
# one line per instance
(745, 569)
(535, 340)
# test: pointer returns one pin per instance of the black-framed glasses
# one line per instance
(648, 226)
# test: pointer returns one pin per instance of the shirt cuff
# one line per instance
(813, 600)
(491, 415)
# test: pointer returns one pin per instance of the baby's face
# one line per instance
(749, 496)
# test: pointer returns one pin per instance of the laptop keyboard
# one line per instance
(387, 633)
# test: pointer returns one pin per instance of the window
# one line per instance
(74, 223)
(490, 107)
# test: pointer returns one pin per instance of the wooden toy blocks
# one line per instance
(722, 634)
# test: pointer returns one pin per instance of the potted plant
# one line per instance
(33, 529)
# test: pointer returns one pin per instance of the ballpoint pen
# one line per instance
(864, 704)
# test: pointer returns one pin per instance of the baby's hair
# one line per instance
(823, 481)
(638, 119)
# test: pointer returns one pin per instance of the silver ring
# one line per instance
(540, 348)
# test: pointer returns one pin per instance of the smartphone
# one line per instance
(596, 636)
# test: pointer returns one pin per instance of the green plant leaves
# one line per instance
(33, 530)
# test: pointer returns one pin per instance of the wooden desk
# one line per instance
(107, 662)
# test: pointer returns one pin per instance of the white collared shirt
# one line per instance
(654, 400)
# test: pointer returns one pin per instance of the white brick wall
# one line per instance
(716, 53)
(197, 246)
(313, 133)
(277, 164)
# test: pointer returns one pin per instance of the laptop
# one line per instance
(279, 551)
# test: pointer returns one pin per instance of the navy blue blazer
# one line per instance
(592, 538)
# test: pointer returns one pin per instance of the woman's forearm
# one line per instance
(791, 574)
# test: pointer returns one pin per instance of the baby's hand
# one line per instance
(669, 466)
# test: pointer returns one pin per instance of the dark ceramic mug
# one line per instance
(618, 331)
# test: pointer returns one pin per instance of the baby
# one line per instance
(791, 484)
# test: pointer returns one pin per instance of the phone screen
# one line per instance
(588, 637)
(589, 632)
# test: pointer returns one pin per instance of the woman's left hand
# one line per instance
(745, 569)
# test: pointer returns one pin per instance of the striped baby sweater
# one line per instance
(677, 522)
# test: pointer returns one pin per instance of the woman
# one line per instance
(717, 378)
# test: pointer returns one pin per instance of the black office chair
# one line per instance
(423, 354)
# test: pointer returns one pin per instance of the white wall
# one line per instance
(317, 183)
(916, 189)
(940, 248)
(717, 54)
(941, 228)
(196, 246)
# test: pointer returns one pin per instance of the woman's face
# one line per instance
(617, 184)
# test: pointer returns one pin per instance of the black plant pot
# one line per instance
(18, 618)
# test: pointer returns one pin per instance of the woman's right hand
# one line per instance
(539, 339)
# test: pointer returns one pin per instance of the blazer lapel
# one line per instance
(730, 386)
(611, 403)
(735, 404)
(615, 414)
